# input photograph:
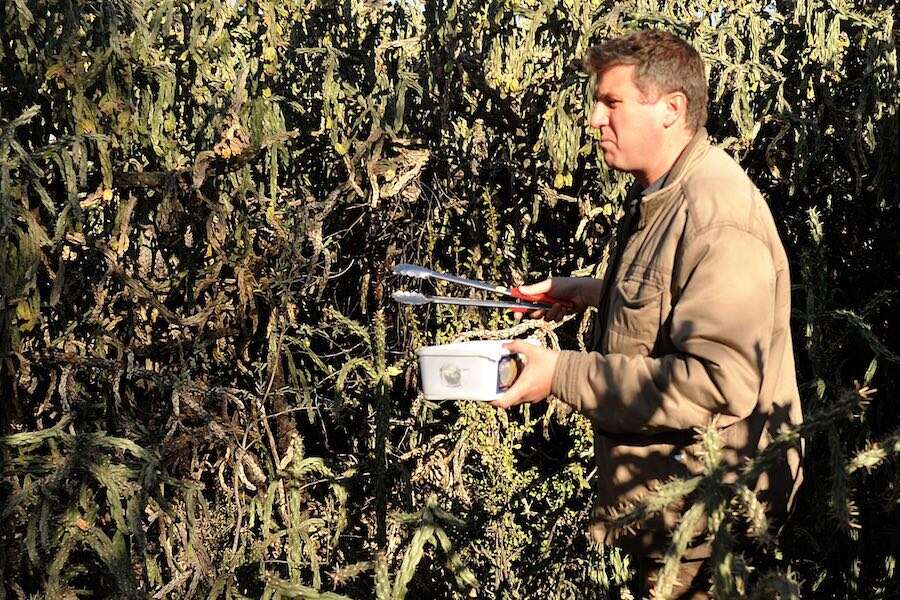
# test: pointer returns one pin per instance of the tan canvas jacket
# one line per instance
(696, 328)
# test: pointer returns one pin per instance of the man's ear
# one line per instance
(675, 106)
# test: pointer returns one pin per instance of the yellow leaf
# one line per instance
(23, 310)
(85, 126)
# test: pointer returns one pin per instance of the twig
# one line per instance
(511, 332)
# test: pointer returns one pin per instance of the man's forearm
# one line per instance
(639, 394)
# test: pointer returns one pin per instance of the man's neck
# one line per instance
(669, 154)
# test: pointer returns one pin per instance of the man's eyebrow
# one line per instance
(607, 97)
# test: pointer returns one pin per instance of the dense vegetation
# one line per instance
(205, 389)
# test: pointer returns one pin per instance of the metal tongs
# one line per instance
(523, 303)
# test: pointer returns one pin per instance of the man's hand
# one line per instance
(535, 380)
(580, 291)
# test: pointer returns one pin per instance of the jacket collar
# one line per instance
(694, 150)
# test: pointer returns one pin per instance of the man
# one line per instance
(693, 311)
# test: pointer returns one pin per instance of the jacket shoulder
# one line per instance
(717, 192)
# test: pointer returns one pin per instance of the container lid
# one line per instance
(489, 349)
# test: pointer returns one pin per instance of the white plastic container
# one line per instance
(477, 370)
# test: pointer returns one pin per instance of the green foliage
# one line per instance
(205, 389)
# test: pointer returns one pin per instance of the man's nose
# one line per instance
(599, 116)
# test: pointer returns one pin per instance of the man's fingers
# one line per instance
(500, 403)
(520, 347)
(535, 314)
(510, 398)
(555, 313)
(504, 401)
(541, 287)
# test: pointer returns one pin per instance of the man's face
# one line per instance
(630, 123)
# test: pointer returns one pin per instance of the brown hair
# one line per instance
(663, 63)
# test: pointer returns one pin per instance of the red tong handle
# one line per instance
(545, 298)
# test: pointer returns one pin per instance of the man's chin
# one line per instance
(610, 161)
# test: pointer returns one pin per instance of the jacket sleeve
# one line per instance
(721, 328)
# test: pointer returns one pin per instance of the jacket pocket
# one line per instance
(634, 317)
